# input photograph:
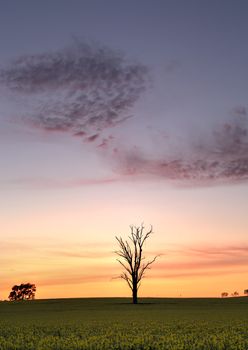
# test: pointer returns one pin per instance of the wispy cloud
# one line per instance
(87, 88)
(201, 265)
(82, 89)
(202, 261)
(96, 254)
(219, 156)
(49, 183)
(56, 277)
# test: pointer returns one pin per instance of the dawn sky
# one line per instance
(121, 112)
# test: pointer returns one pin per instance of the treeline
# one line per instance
(234, 294)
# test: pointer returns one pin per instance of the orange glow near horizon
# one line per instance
(67, 247)
(91, 271)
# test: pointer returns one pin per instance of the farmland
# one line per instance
(114, 323)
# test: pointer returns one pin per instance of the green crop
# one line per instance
(99, 324)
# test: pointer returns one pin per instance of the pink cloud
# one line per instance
(202, 261)
(96, 254)
(73, 279)
(219, 157)
(81, 90)
(46, 183)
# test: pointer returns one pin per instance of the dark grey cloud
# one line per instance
(81, 89)
(220, 156)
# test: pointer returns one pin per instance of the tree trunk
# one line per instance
(135, 294)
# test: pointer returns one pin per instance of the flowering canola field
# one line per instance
(171, 324)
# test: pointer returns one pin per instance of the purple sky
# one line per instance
(174, 72)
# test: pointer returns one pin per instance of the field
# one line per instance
(172, 324)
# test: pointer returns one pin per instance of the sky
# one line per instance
(118, 113)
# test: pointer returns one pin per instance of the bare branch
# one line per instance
(127, 279)
(125, 267)
(145, 267)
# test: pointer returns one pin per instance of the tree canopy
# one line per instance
(25, 291)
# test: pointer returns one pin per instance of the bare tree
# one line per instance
(132, 259)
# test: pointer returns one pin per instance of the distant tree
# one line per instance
(25, 291)
(235, 294)
(224, 295)
(246, 292)
(132, 259)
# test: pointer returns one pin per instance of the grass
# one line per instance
(114, 323)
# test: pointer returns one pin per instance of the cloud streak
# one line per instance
(202, 261)
(219, 157)
(49, 183)
(82, 89)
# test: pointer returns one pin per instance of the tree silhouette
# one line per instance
(25, 291)
(132, 259)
